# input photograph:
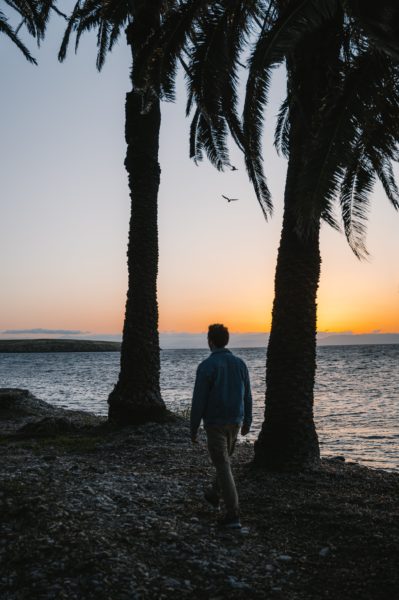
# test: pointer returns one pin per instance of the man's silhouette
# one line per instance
(222, 398)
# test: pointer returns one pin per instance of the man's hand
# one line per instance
(194, 439)
(244, 429)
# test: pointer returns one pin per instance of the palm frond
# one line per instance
(114, 35)
(281, 134)
(72, 22)
(258, 179)
(10, 33)
(380, 22)
(211, 76)
(34, 15)
(44, 10)
(195, 148)
(333, 146)
(356, 188)
(383, 169)
(157, 61)
(102, 43)
(253, 118)
(107, 17)
(88, 17)
(240, 26)
(271, 49)
(212, 141)
(30, 17)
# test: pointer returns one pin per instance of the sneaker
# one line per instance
(212, 498)
(230, 522)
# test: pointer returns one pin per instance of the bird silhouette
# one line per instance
(233, 168)
(229, 199)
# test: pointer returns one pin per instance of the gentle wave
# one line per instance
(356, 392)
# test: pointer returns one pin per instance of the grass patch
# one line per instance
(11, 440)
(183, 413)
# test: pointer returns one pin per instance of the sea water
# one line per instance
(356, 392)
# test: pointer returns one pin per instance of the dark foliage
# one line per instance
(34, 16)
(214, 41)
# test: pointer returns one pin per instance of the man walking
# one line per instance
(222, 398)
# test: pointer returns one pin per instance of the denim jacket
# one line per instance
(222, 392)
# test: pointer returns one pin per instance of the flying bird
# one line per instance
(233, 168)
(230, 199)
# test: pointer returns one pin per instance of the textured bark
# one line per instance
(137, 397)
(288, 438)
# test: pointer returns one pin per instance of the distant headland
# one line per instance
(48, 345)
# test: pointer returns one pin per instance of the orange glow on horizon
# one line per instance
(254, 325)
(241, 315)
(369, 318)
(376, 315)
(189, 320)
(195, 319)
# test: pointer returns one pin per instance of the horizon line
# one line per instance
(76, 332)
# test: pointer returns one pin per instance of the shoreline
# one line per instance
(30, 345)
(91, 511)
(57, 345)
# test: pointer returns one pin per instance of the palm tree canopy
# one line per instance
(380, 20)
(213, 41)
(34, 15)
(109, 18)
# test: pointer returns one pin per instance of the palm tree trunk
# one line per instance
(137, 397)
(288, 438)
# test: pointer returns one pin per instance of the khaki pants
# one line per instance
(221, 443)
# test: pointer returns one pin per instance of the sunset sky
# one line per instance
(65, 212)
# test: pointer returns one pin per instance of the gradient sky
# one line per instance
(65, 212)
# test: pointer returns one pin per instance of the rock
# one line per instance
(16, 403)
(170, 582)
(236, 584)
(284, 558)
(22, 412)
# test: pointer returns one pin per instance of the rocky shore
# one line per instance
(88, 512)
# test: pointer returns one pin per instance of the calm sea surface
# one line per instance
(356, 395)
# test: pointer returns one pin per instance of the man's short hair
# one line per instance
(219, 335)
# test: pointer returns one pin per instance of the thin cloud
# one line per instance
(46, 331)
